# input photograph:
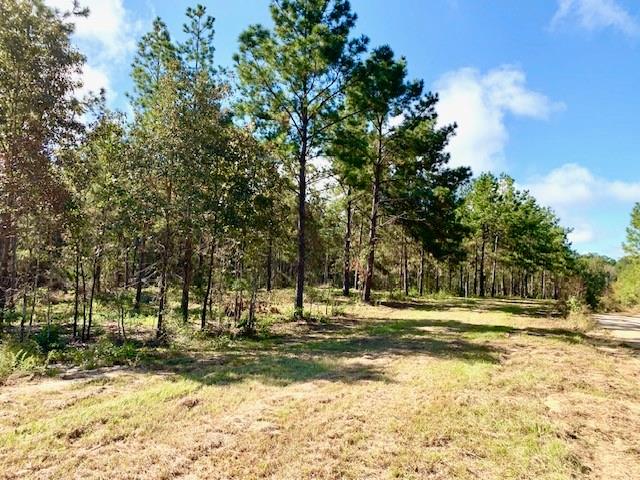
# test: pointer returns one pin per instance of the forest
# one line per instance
(318, 162)
(282, 253)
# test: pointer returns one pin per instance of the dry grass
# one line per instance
(438, 390)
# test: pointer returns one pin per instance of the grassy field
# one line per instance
(440, 389)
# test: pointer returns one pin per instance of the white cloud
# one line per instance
(596, 15)
(574, 185)
(582, 233)
(586, 202)
(478, 103)
(108, 29)
(93, 80)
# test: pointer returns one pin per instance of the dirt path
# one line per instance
(622, 326)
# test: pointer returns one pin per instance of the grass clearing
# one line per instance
(439, 389)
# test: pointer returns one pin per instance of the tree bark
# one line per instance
(84, 300)
(421, 276)
(136, 305)
(475, 268)
(494, 268)
(302, 199)
(94, 283)
(187, 274)
(357, 277)
(482, 255)
(405, 268)
(346, 270)
(270, 263)
(98, 274)
(76, 296)
(375, 203)
(205, 301)
(5, 249)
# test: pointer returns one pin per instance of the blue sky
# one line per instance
(544, 90)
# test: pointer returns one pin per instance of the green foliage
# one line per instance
(20, 358)
(627, 286)
(49, 338)
(626, 289)
(105, 353)
(632, 244)
(597, 274)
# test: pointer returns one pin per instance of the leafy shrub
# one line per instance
(575, 305)
(106, 354)
(627, 287)
(49, 338)
(19, 358)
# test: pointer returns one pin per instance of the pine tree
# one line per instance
(632, 244)
(292, 79)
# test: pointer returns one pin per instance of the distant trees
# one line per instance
(515, 243)
(627, 286)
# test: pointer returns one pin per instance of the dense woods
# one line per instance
(319, 163)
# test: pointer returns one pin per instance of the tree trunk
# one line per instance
(84, 300)
(187, 274)
(421, 276)
(375, 202)
(269, 263)
(302, 199)
(494, 268)
(205, 301)
(163, 297)
(136, 305)
(162, 303)
(126, 269)
(98, 274)
(357, 279)
(94, 284)
(482, 255)
(23, 318)
(346, 269)
(5, 252)
(76, 296)
(405, 268)
(475, 268)
(14, 270)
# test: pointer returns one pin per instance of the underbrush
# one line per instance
(20, 359)
(105, 353)
(578, 315)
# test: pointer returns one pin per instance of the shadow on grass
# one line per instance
(456, 329)
(522, 307)
(280, 370)
(329, 352)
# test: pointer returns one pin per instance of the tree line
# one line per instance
(316, 161)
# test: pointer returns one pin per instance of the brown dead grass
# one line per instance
(424, 390)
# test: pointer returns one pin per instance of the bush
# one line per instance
(627, 287)
(575, 306)
(20, 358)
(106, 354)
(49, 339)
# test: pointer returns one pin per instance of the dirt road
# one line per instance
(622, 326)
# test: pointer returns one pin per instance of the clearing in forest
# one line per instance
(446, 389)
